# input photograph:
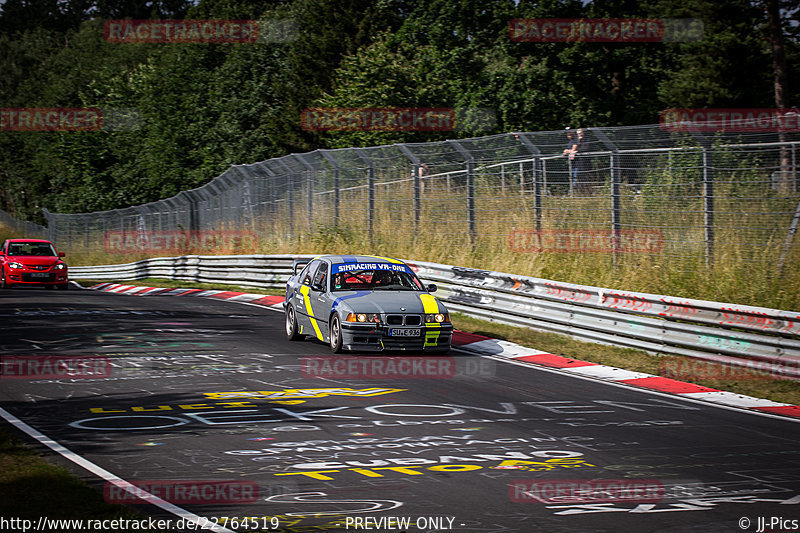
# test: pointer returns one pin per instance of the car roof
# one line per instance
(29, 240)
(337, 259)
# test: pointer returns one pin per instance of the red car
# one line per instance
(32, 262)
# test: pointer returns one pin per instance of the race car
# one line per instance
(32, 262)
(365, 303)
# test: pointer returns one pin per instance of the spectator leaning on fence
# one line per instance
(421, 171)
(581, 165)
(570, 151)
(578, 164)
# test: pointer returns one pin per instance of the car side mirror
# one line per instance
(61, 254)
(299, 265)
(432, 288)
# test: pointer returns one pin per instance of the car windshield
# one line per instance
(374, 280)
(44, 249)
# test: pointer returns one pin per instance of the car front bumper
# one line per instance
(20, 277)
(375, 338)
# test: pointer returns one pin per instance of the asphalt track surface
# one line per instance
(492, 446)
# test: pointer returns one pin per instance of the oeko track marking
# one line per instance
(111, 478)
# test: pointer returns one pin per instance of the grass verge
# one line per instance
(31, 487)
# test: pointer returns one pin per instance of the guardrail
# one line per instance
(739, 335)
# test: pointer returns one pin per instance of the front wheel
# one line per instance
(3, 284)
(291, 324)
(336, 334)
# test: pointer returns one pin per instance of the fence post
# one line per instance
(536, 166)
(417, 197)
(789, 237)
(470, 161)
(708, 207)
(310, 177)
(336, 185)
(616, 209)
(708, 196)
(246, 203)
(370, 191)
(273, 208)
(290, 195)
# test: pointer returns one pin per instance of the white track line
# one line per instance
(111, 478)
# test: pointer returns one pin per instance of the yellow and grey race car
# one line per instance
(365, 303)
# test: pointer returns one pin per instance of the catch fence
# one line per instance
(24, 229)
(688, 199)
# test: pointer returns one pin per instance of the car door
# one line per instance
(303, 302)
(320, 298)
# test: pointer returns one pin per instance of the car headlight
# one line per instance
(363, 317)
(438, 317)
(14, 264)
(60, 266)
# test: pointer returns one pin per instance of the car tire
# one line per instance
(291, 324)
(63, 286)
(336, 334)
(3, 284)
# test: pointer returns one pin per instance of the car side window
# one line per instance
(321, 277)
(311, 269)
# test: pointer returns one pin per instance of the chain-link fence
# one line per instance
(691, 197)
(23, 229)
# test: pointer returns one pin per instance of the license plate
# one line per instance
(405, 332)
(39, 274)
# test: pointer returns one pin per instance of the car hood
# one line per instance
(34, 259)
(382, 302)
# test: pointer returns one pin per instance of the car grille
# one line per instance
(39, 267)
(403, 320)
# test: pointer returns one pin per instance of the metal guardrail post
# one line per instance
(470, 161)
(370, 191)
